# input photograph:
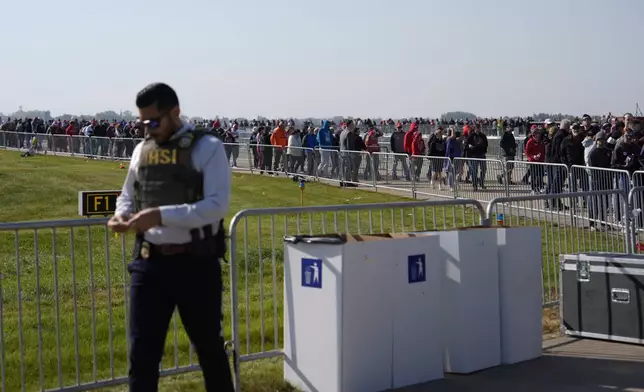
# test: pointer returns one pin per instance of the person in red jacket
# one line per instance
(373, 146)
(535, 151)
(417, 151)
(409, 137)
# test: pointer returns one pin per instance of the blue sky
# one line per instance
(280, 58)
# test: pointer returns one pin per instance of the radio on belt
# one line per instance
(96, 203)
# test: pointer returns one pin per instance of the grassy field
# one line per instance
(73, 282)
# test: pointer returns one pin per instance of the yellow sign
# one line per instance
(92, 203)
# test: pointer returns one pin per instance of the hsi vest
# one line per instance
(166, 175)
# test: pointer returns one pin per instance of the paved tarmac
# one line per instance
(567, 365)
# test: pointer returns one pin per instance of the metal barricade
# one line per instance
(637, 178)
(265, 158)
(431, 175)
(64, 309)
(256, 251)
(526, 178)
(563, 230)
(393, 171)
(329, 164)
(584, 178)
(636, 208)
(238, 156)
(539, 178)
(356, 168)
(301, 161)
(479, 178)
(75, 145)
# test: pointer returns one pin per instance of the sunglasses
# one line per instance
(153, 123)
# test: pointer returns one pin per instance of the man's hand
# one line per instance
(118, 224)
(144, 220)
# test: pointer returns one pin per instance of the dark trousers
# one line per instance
(535, 173)
(193, 285)
(556, 179)
(266, 158)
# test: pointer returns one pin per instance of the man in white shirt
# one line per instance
(175, 197)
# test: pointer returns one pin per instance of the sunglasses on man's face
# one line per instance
(153, 123)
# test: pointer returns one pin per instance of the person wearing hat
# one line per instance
(616, 133)
(397, 145)
(599, 157)
(175, 197)
(626, 155)
(508, 146)
(589, 141)
(372, 144)
(572, 148)
(636, 125)
(294, 151)
(253, 145)
(529, 135)
(279, 141)
(535, 152)
(436, 147)
(586, 121)
(349, 159)
(324, 140)
(476, 147)
(555, 156)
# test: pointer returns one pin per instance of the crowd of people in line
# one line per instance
(279, 146)
(617, 144)
(120, 128)
(552, 147)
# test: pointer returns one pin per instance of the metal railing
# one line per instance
(568, 228)
(256, 250)
(66, 285)
(64, 293)
(64, 309)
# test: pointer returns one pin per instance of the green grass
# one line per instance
(68, 287)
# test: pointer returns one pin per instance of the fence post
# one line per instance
(374, 173)
(506, 175)
(452, 169)
(316, 162)
(635, 210)
(412, 175)
(629, 223)
(249, 153)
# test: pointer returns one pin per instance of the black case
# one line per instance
(602, 296)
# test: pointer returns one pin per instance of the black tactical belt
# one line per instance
(148, 249)
(199, 248)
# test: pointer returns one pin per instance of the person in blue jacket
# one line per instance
(325, 142)
(309, 142)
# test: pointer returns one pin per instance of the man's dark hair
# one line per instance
(159, 94)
